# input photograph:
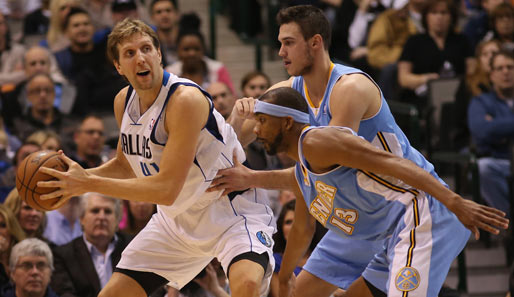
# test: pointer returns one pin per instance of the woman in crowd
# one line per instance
(195, 65)
(254, 84)
(440, 52)
(10, 234)
(31, 220)
(47, 139)
(475, 83)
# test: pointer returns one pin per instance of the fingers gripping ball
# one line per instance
(28, 176)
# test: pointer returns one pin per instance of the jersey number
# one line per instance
(344, 219)
(146, 170)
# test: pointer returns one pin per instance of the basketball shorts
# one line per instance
(178, 249)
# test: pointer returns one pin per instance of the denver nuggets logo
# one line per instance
(407, 279)
(264, 238)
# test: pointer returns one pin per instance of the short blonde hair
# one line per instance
(124, 30)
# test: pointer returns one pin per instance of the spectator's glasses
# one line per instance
(28, 266)
(91, 132)
(37, 91)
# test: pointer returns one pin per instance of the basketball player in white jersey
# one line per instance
(172, 143)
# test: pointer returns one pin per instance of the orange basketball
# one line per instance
(28, 176)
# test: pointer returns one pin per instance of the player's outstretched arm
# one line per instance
(355, 152)
(240, 177)
(298, 242)
(187, 105)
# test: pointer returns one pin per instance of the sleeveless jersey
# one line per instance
(143, 138)
(354, 202)
(381, 129)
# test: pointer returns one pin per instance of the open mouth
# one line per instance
(143, 73)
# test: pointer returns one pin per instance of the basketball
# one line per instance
(28, 176)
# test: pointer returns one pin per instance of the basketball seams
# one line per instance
(25, 186)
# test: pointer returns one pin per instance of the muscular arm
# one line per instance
(354, 98)
(187, 105)
(355, 152)
(298, 240)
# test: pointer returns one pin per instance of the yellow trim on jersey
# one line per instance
(383, 141)
(308, 97)
(388, 184)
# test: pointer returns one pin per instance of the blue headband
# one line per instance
(281, 111)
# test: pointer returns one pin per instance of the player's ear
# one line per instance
(316, 41)
(289, 123)
(117, 66)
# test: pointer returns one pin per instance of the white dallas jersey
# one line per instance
(143, 138)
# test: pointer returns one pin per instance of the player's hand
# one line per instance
(70, 183)
(475, 216)
(286, 288)
(243, 108)
(237, 178)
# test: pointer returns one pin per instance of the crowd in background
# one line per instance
(57, 88)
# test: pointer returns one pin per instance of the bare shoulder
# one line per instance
(119, 103)
(188, 104)
(355, 83)
(284, 83)
(187, 95)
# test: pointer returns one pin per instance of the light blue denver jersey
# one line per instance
(381, 129)
(351, 202)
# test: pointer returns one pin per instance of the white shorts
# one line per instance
(178, 249)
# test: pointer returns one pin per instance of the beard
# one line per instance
(308, 66)
(273, 147)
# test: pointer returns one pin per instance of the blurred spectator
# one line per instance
(31, 265)
(85, 64)
(194, 64)
(285, 222)
(165, 17)
(440, 52)
(36, 23)
(31, 220)
(10, 234)
(222, 98)
(47, 139)
(8, 177)
(8, 146)
(491, 123)
(56, 40)
(89, 141)
(391, 30)
(100, 12)
(502, 26)
(475, 83)
(63, 223)
(83, 266)
(254, 84)
(137, 214)
(479, 24)
(41, 114)
(358, 32)
(11, 58)
(122, 9)
(386, 39)
(37, 60)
